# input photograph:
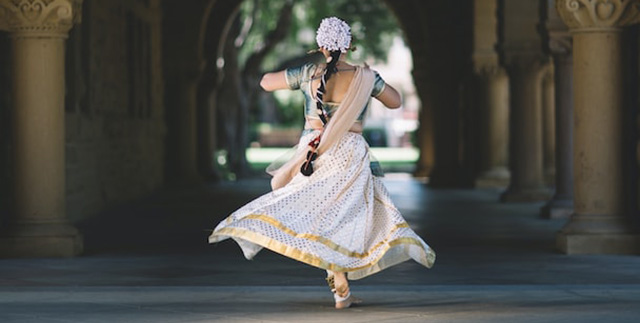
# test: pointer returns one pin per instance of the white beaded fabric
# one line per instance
(340, 218)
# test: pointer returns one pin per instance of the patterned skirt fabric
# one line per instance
(340, 218)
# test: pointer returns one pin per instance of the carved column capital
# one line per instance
(485, 64)
(560, 40)
(38, 18)
(488, 71)
(598, 15)
(525, 62)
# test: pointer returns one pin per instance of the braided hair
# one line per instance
(326, 75)
(307, 167)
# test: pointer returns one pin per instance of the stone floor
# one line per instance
(148, 261)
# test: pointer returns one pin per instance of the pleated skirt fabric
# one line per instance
(341, 218)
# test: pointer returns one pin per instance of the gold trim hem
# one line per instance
(320, 239)
(427, 259)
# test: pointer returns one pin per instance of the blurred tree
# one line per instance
(271, 35)
(372, 23)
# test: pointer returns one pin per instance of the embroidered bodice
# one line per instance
(300, 78)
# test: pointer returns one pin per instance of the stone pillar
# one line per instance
(491, 98)
(424, 165)
(525, 61)
(548, 126)
(444, 48)
(38, 226)
(493, 101)
(182, 129)
(207, 129)
(561, 205)
(600, 223)
(184, 30)
(417, 32)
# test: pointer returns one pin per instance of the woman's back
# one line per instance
(338, 85)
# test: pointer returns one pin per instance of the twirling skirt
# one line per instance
(340, 218)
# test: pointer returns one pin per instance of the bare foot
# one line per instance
(344, 299)
(351, 300)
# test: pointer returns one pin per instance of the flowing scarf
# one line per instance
(356, 98)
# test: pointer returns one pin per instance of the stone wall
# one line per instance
(631, 61)
(115, 124)
(114, 121)
(637, 117)
(4, 126)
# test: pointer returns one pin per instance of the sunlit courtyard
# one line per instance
(391, 159)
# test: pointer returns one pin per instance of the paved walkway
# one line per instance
(148, 261)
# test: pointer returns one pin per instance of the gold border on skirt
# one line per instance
(320, 239)
(313, 260)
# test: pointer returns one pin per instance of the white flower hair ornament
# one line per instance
(334, 34)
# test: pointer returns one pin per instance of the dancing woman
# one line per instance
(327, 207)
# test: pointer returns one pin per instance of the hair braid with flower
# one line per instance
(307, 167)
(333, 35)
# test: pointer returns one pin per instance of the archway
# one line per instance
(213, 81)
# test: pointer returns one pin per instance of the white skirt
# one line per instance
(341, 218)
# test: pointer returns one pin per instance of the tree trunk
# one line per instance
(241, 86)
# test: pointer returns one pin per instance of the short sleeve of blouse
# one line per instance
(295, 76)
(378, 85)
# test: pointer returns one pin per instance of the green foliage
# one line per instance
(373, 29)
(372, 23)
(373, 26)
(289, 110)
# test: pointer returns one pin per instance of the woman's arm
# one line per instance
(274, 81)
(390, 97)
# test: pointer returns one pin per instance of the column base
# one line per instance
(494, 178)
(40, 240)
(550, 176)
(422, 172)
(557, 209)
(450, 177)
(598, 243)
(525, 195)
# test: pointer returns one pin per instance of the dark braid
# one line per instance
(307, 166)
(328, 72)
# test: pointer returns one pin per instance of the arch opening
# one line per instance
(249, 123)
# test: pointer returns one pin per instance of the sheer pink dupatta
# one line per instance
(356, 98)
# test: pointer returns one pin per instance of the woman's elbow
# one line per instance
(394, 103)
(393, 100)
(264, 82)
(390, 98)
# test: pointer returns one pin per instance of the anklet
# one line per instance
(331, 283)
(339, 298)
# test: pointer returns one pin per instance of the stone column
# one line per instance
(207, 128)
(548, 126)
(600, 223)
(445, 24)
(525, 61)
(416, 33)
(493, 101)
(184, 30)
(561, 205)
(38, 226)
(424, 165)
(491, 98)
(182, 128)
